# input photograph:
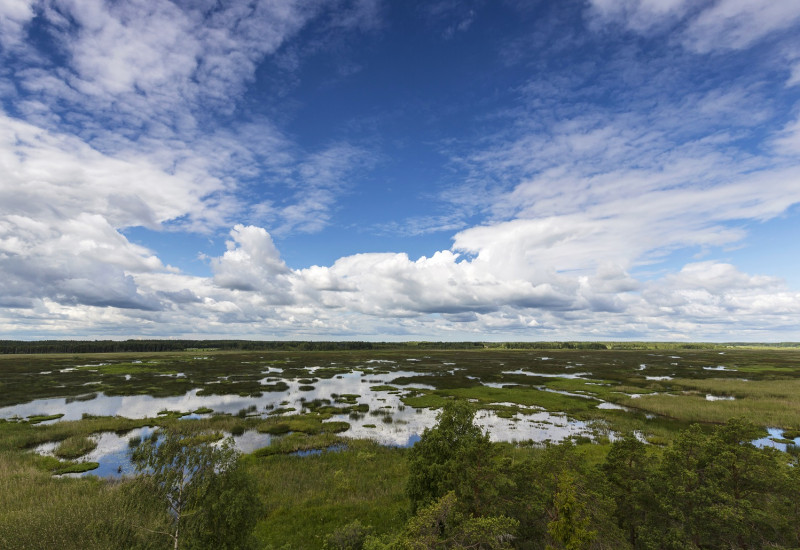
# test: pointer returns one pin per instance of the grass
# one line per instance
(39, 511)
(310, 424)
(772, 403)
(383, 387)
(770, 397)
(528, 397)
(128, 368)
(75, 446)
(76, 468)
(309, 497)
(779, 413)
(299, 441)
(38, 418)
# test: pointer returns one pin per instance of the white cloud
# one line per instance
(119, 137)
(640, 15)
(391, 296)
(128, 190)
(173, 56)
(787, 142)
(711, 294)
(704, 26)
(736, 24)
(252, 263)
(14, 16)
(79, 261)
(321, 177)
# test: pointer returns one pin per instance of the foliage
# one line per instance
(570, 526)
(206, 494)
(628, 471)
(440, 525)
(715, 492)
(455, 455)
(350, 537)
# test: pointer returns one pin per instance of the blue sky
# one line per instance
(362, 169)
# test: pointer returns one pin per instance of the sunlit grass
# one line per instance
(771, 403)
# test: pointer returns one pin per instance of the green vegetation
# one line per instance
(454, 456)
(299, 442)
(694, 486)
(206, 496)
(75, 468)
(39, 511)
(151, 367)
(75, 447)
(310, 497)
(38, 418)
(309, 424)
(383, 387)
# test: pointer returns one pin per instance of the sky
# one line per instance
(389, 171)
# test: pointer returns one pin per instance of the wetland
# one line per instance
(79, 415)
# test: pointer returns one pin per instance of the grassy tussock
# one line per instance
(75, 447)
(15, 435)
(299, 441)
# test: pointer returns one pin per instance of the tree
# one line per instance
(570, 526)
(717, 491)
(455, 455)
(441, 525)
(576, 502)
(627, 470)
(207, 495)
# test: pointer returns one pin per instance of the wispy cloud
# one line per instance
(701, 26)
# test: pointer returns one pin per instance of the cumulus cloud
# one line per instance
(252, 263)
(717, 294)
(83, 261)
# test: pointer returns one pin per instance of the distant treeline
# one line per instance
(114, 346)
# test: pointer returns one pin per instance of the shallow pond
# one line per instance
(388, 421)
(113, 450)
(769, 441)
